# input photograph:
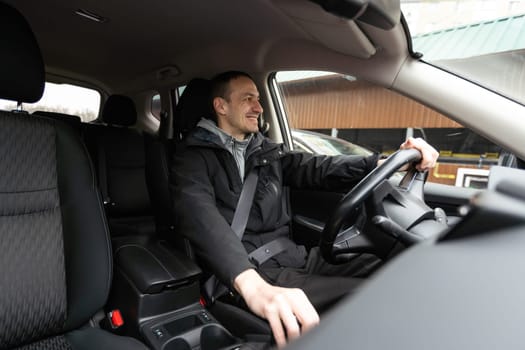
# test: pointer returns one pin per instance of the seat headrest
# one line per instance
(72, 120)
(68, 118)
(119, 110)
(193, 105)
(22, 74)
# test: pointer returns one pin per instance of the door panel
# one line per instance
(310, 210)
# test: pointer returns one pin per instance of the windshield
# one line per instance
(483, 41)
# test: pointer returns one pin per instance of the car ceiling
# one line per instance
(160, 42)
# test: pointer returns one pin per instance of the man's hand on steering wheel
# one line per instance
(429, 155)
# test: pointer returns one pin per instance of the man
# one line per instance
(208, 178)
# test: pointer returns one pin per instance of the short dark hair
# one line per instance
(220, 84)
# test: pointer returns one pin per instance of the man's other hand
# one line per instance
(288, 310)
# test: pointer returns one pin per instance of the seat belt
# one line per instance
(102, 171)
(244, 205)
(240, 219)
(268, 250)
(212, 287)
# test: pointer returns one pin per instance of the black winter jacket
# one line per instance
(206, 186)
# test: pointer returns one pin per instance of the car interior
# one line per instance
(89, 251)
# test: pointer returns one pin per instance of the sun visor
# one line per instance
(384, 14)
(336, 33)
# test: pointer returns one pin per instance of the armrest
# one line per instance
(153, 267)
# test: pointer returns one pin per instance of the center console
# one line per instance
(156, 289)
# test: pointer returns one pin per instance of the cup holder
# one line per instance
(212, 337)
(188, 329)
(177, 344)
(215, 337)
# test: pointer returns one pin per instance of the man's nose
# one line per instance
(257, 107)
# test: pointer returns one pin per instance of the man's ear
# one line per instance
(219, 105)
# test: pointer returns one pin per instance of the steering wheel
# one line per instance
(333, 242)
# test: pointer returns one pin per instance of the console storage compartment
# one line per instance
(151, 279)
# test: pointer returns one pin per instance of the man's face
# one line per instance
(238, 113)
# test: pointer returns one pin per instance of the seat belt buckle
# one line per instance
(254, 261)
(115, 319)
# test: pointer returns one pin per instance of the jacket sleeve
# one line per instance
(342, 172)
(199, 219)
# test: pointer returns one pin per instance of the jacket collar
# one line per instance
(207, 134)
(224, 137)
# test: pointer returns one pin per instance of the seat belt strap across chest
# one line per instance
(244, 205)
(240, 219)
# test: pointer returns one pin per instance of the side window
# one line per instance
(180, 91)
(331, 113)
(156, 106)
(63, 98)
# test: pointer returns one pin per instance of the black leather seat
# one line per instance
(193, 105)
(159, 153)
(55, 256)
(118, 154)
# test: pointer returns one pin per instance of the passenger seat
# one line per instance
(73, 121)
(117, 152)
(55, 258)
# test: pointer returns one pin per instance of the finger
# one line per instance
(288, 318)
(409, 143)
(304, 310)
(308, 319)
(425, 163)
(272, 315)
(428, 157)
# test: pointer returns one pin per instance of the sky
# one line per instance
(424, 16)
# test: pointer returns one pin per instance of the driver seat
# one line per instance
(55, 253)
